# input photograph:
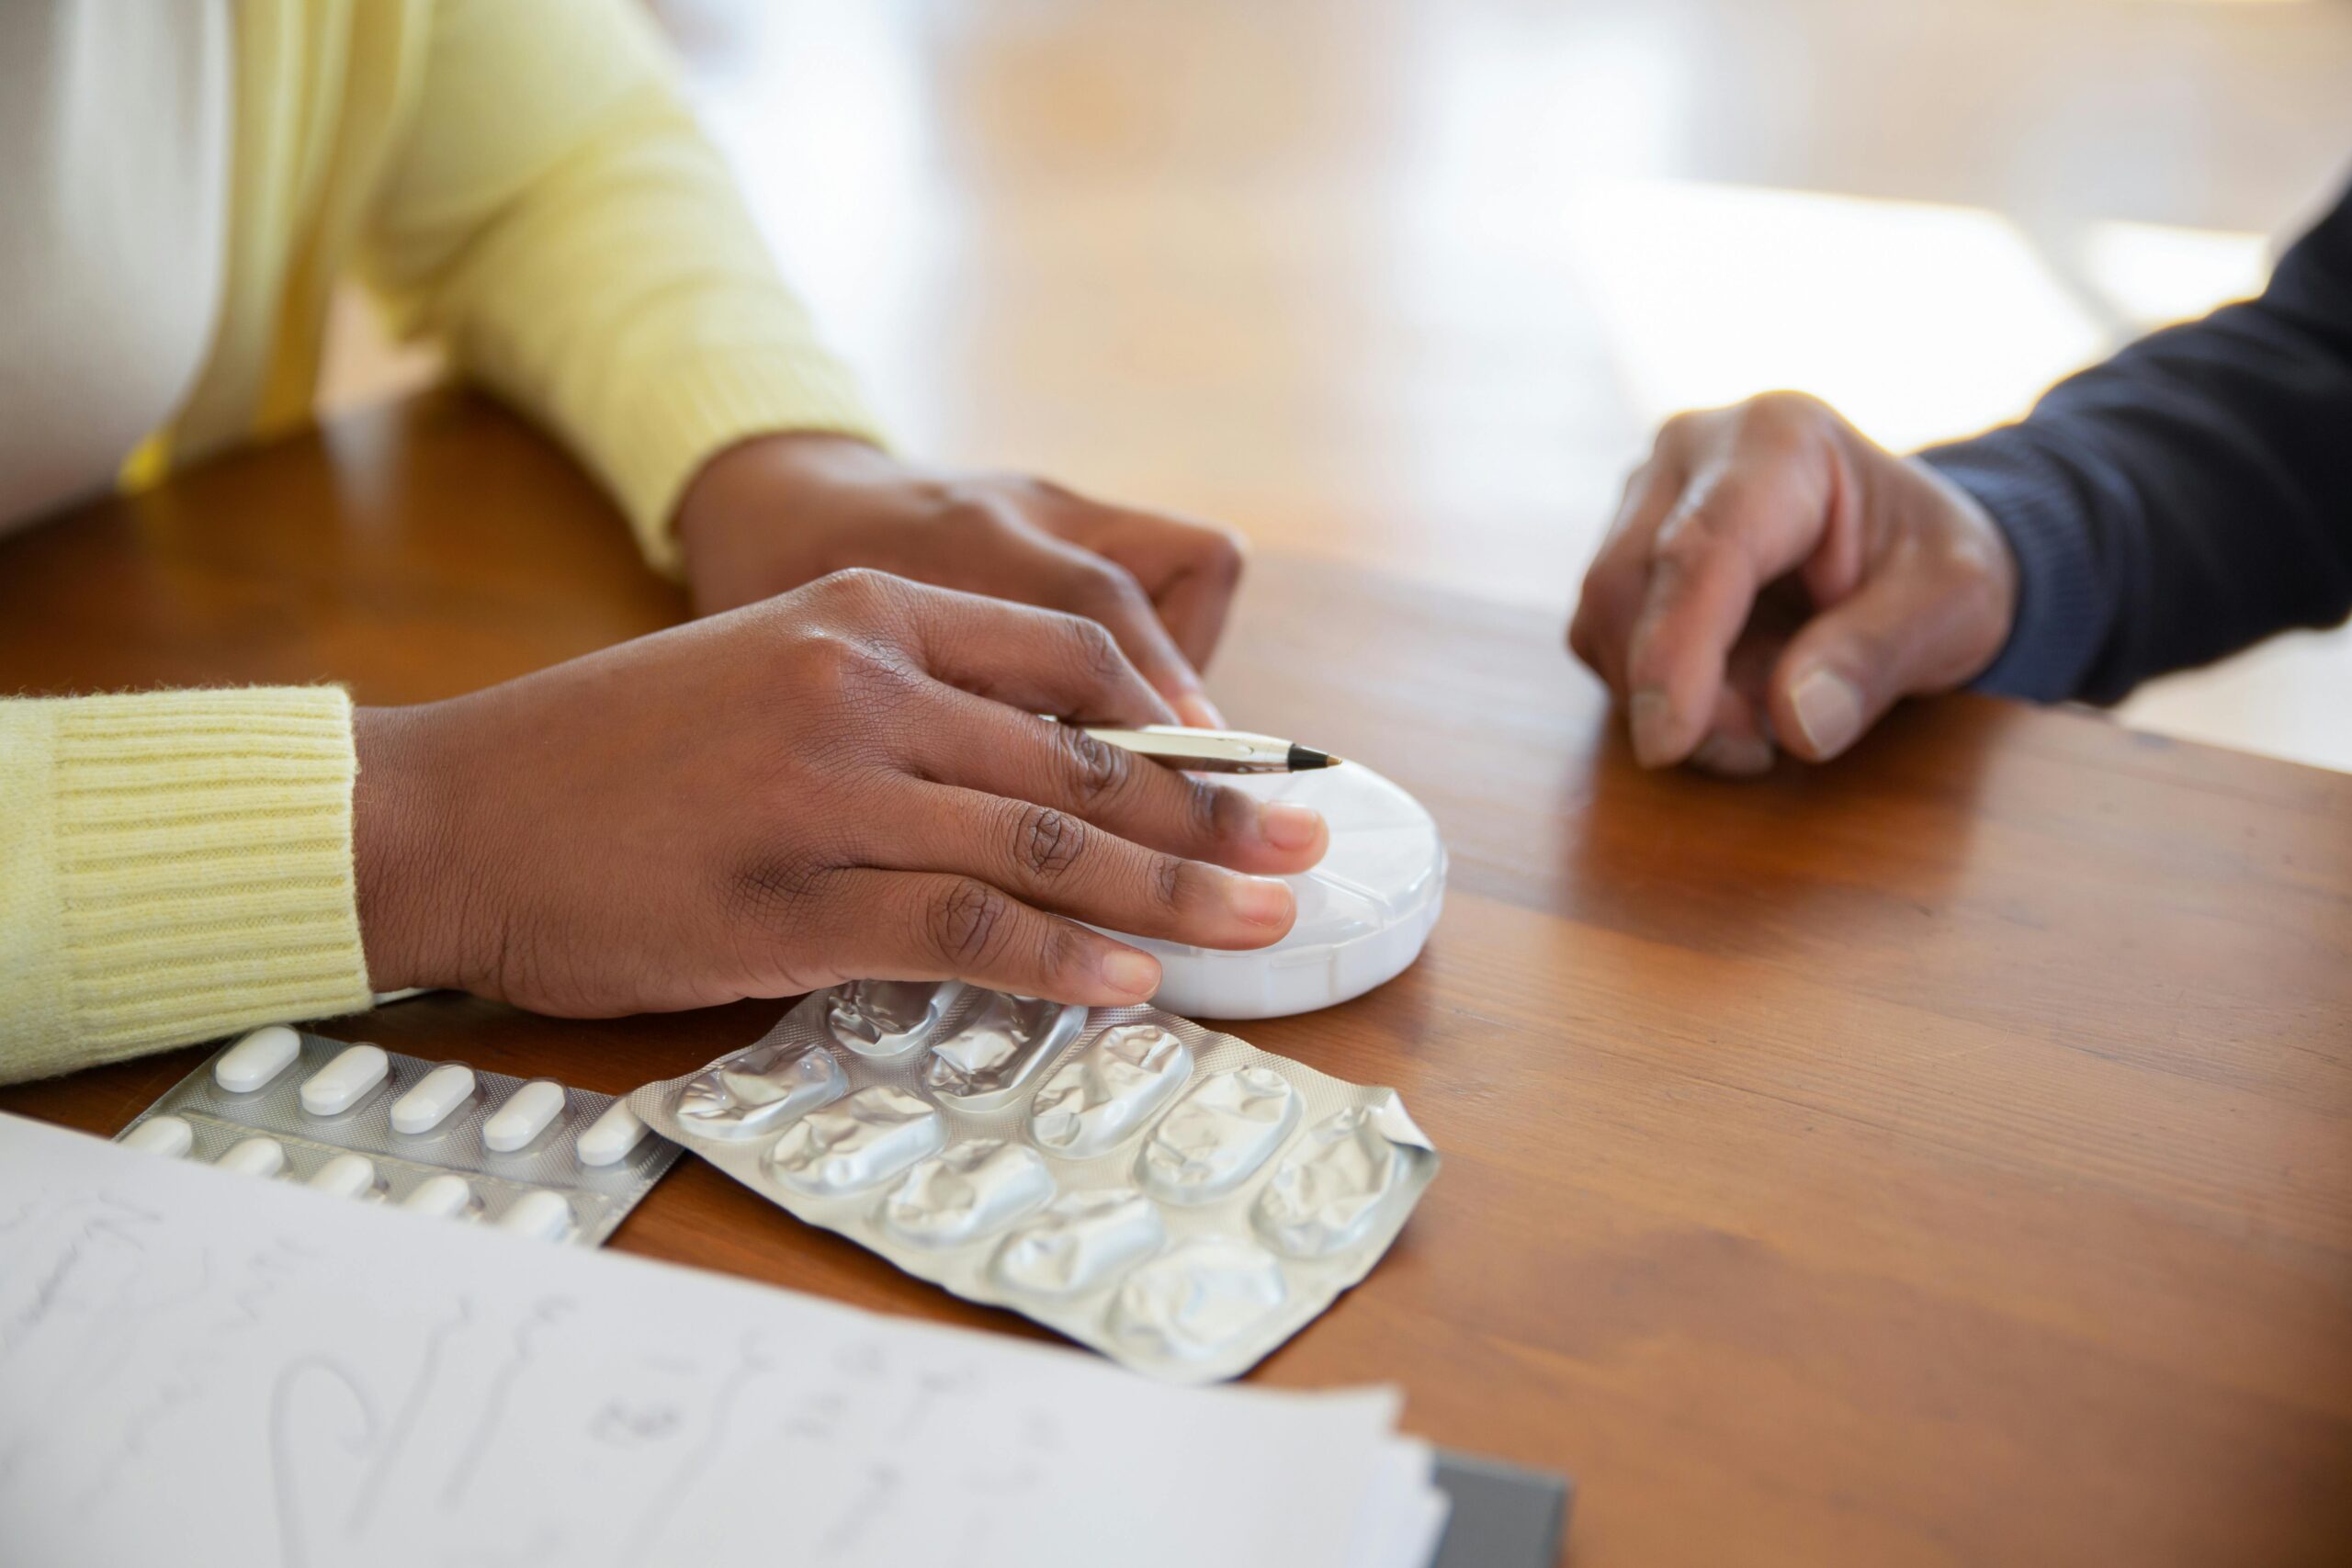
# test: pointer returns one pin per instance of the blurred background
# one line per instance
(1409, 282)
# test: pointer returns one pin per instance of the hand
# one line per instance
(773, 513)
(849, 780)
(1774, 576)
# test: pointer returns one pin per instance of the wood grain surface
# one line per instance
(1941, 1157)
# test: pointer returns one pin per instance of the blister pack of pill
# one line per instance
(1175, 1198)
(531, 1156)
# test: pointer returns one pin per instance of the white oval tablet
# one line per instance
(437, 1093)
(254, 1156)
(524, 1116)
(444, 1195)
(257, 1058)
(346, 1081)
(166, 1135)
(345, 1176)
(610, 1136)
(542, 1215)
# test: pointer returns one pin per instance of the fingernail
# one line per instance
(1129, 973)
(1733, 756)
(1262, 900)
(1199, 712)
(1829, 710)
(1651, 716)
(1289, 826)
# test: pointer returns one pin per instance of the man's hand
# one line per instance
(1774, 576)
(849, 780)
(773, 513)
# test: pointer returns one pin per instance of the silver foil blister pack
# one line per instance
(530, 1155)
(1175, 1198)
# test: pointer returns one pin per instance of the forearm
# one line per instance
(2189, 496)
(174, 867)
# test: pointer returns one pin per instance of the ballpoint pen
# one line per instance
(1215, 750)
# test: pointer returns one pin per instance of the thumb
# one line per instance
(1908, 629)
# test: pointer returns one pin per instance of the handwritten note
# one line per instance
(201, 1366)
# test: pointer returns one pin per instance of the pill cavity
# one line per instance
(760, 1090)
(1326, 1192)
(346, 1081)
(257, 1058)
(985, 1064)
(542, 1215)
(428, 1103)
(1081, 1241)
(1107, 1092)
(610, 1136)
(867, 1138)
(254, 1156)
(445, 1195)
(346, 1176)
(524, 1116)
(968, 1190)
(1198, 1299)
(166, 1135)
(1218, 1136)
(888, 1018)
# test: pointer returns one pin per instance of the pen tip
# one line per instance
(1303, 758)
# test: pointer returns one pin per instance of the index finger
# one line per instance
(1742, 522)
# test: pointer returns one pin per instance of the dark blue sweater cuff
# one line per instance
(2062, 615)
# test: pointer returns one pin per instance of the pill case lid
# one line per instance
(1363, 912)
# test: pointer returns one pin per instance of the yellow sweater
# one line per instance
(519, 178)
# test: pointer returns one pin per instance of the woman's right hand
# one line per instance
(845, 781)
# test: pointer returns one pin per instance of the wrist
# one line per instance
(403, 842)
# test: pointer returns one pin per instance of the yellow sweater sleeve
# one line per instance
(173, 866)
(556, 216)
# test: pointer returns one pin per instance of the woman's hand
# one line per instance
(1774, 576)
(845, 781)
(773, 513)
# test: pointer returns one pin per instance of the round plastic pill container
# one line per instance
(1363, 912)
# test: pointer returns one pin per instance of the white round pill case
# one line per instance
(1364, 913)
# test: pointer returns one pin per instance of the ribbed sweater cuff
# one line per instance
(199, 870)
(691, 414)
(2062, 616)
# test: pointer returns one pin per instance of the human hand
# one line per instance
(777, 512)
(1775, 577)
(846, 781)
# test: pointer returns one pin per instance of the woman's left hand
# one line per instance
(772, 513)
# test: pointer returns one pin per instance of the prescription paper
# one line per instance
(198, 1366)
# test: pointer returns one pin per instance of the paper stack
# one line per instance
(196, 1363)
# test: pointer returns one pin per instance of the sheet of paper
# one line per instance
(201, 1366)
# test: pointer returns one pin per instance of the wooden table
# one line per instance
(1941, 1157)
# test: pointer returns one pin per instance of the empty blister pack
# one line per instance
(1175, 1198)
(529, 1155)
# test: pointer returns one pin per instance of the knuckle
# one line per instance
(966, 924)
(1214, 813)
(1167, 876)
(1224, 555)
(1096, 769)
(1094, 651)
(1048, 843)
(772, 890)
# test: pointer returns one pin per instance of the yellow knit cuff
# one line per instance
(694, 410)
(198, 871)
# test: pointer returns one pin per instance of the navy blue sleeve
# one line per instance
(2188, 496)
